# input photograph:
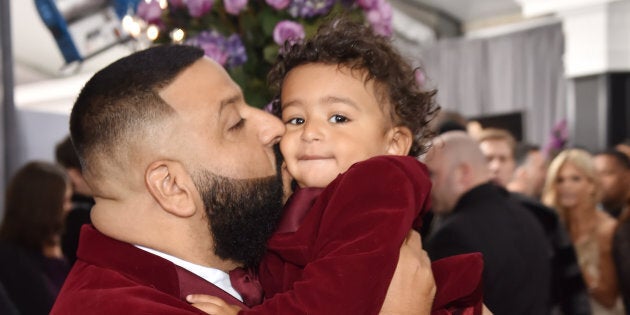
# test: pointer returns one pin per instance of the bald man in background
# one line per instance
(479, 216)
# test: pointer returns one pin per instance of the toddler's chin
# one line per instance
(317, 181)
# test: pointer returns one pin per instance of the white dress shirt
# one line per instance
(214, 276)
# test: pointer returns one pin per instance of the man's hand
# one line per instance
(412, 289)
(212, 305)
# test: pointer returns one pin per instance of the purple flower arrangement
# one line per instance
(558, 140)
(245, 36)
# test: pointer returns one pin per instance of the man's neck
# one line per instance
(519, 187)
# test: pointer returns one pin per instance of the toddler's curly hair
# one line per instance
(354, 45)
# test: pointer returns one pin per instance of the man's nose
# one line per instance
(494, 165)
(270, 128)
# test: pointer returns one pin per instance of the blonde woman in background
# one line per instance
(573, 189)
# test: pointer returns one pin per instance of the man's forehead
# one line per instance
(496, 148)
(607, 161)
(496, 143)
(201, 84)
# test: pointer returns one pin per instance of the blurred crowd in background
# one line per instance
(568, 211)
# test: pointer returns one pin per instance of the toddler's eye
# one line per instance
(336, 119)
(295, 121)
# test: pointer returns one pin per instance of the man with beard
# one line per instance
(186, 189)
(613, 169)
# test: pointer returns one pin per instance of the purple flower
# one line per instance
(236, 50)
(213, 44)
(288, 31)
(234, 7)
(558, 140)
(421, 79)
(269, 107)
(309, 8)
(278, 4)
(150, 12)
(229, 52)
(176, 3)
(197, 8)
(367, 4)
(380, 17)
(561, 132)
(215, 52)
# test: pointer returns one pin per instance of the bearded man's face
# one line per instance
(242, 214)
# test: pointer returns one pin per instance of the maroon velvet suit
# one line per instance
(112, 277)
(336, 249)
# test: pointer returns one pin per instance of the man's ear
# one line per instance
(172, 187)
(463, 174)
(400, 141)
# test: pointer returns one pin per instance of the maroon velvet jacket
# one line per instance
(112, 277)
(336, 249)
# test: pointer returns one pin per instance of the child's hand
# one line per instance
(212, 305)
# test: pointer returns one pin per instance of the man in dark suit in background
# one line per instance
(82, 200)
(479, 216)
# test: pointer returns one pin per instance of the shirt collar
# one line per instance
(212, 275)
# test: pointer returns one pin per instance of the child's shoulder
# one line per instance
(404, 163)
(402, 160)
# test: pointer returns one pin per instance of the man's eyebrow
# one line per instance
(228, 101)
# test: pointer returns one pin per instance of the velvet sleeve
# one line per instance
(367, 212)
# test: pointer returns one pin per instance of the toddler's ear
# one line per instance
(400, 140)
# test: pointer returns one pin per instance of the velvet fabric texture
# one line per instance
(336, 249)
(113, 277)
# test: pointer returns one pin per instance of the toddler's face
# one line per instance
(333, 120)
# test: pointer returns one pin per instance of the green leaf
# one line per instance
(271, 53)
(269, 20)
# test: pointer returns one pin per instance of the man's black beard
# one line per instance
(242, 214)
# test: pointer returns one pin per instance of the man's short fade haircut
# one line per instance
(350, 44)
(122, 99)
